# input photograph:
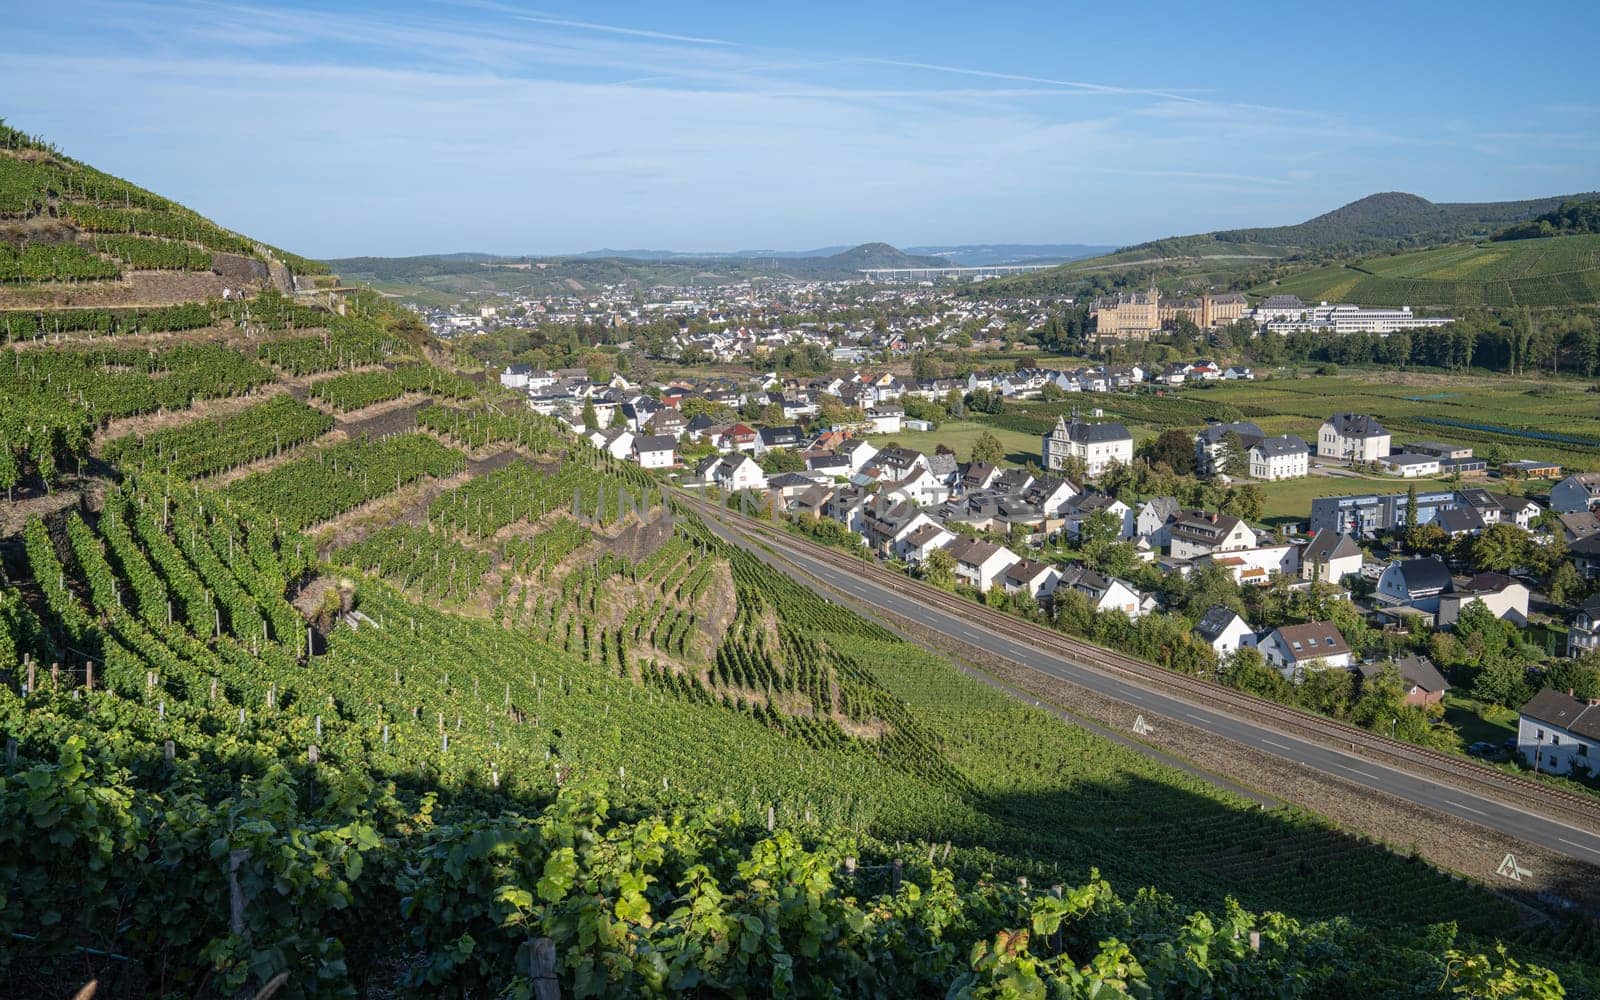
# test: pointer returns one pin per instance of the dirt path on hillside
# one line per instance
(149, 423)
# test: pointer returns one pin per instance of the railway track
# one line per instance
(1520, 792)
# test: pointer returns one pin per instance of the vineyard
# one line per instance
(342, 477)
(357, 390)
(210, 446)
(426, 714)
(440, 772)
(1556, 271)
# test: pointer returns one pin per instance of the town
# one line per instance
(1442, 603)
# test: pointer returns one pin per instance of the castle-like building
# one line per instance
(1138, 315)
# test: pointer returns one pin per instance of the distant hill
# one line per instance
(1537, 273)
(993, 254)
(1388, 221)
(437, 277)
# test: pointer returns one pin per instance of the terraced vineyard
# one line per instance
(1556, 271)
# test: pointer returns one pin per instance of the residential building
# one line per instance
(1029, 576)
(1352, 437)
(739, 472)
(1097, 445)
(1126, 316)
(1330, 556)
(1560, 734)
(1583, 635)
(1105, 593)
(980, 563)
(1224, 631)
(1415, 583)
(1579, 492)
(1373, 514)
(1506, 599)
(1419, 679)
(1196, 533)
(1255, 567)
(1211, 444)
(1284, 457)
(1153, 523)
(1294, 649)
(915, 546)
(655, 451)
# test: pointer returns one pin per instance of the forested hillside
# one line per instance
(312, 672)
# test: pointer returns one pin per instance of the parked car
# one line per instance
(1481, 749)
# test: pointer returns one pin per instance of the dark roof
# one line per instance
(1327, 545)
(780, 435)
(1487, 583)
(1024, 570)
(1417, 671)
(655, 442)
(1214, 622)
(1459, 519)
(1565, 712)
(1356, 425)
(1286, 444)
(1086, 433)
(1428, 574)
(1250, 432)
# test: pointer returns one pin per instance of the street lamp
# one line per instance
(1394, 723)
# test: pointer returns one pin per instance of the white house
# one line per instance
(1029, 576)
(1330, 556)
(1560, 734)
(1154, 521)
(1284, 457)
(1506, 599)
(1313, 646)
(857, 452)
(740, 472)
(1196, 533)
(655, 451)
(614, 441)
(915, 546)
(1257, 566)
(1224, 630)
(1583, 636)
(1416, 583)
(886, 419)
(1051, 495)
(979, 563)
(1096, 445)
(1352, 437)
(1106, 593)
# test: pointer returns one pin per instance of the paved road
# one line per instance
(1583, 845)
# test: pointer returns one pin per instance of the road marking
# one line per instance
(1196, 718)
(1581, 847)
(1369, 777)
(1468, 808)
(1275, 743)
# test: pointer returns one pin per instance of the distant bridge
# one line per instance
(913, 273)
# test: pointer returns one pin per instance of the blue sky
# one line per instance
(397, 128)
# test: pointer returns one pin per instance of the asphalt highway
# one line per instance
(1533, 828)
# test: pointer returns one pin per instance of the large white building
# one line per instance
(1097, 445)
(1346, 318)
(1285, 457)
(1352, 437)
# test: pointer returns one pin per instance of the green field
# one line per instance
(1559, 271)
(959, 436)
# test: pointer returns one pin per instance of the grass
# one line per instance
(1478, 723)
(960, 435)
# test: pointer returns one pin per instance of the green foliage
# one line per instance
(332, 480)
(1578, 216)
(36, 261)
(356, 390)
(217, 444)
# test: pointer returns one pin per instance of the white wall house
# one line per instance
(1294, 649)
(1285, 457)
(1224, 631)
(1097, 445)
(1560, 734)
(1330, 556)
(1352, 437)
(654, 451)
(1197, 533)
(740, 472)
(979, 563)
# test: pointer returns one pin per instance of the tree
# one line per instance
(939, 569)
(1235, 457)
(591, 420)
(1565, 585)
(1097, 532)
(1503, 682)
(1174, 449)
(1581, 677)
(1427, 539)
(987, 448)
(1500, 548)
(1411, 506)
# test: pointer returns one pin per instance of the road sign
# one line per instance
(1511, 870)
(1141, 727)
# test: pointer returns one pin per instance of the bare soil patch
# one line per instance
(135, 288)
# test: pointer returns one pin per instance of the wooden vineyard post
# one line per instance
(541, 954)
(235, 894)
(895, 871)
(169, 751)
